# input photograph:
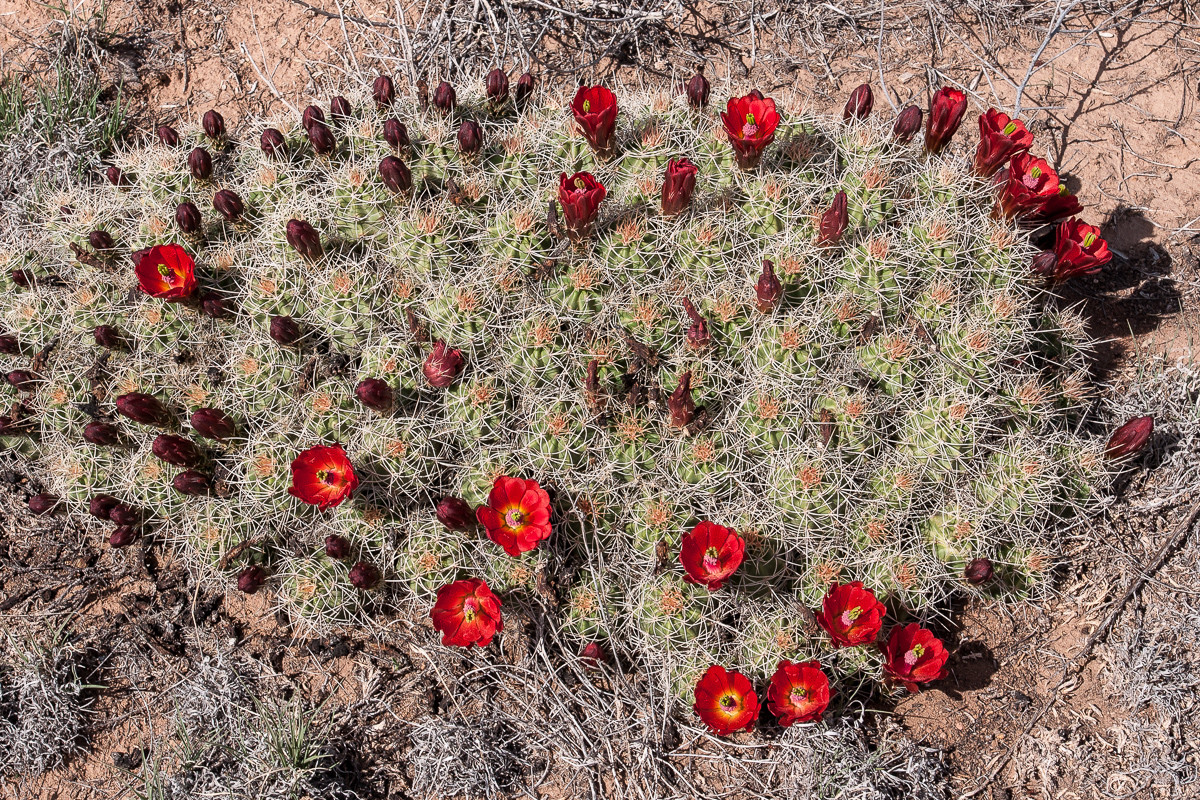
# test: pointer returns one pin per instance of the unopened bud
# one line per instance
(178, 450)
(168, 136)
(22, 380)
(907, 124)
(216, 306)
(455, 513)
(107, 336)
(251, 579)
(311, 114)
(374, 393)
(22, 278)
(680, 402)
(101, 433)
(200, 164)
(497, 87)
(834, 221)
(395, 174)
(304, 239)
(339, 107)
(10, 345)
(116, 177)
(187, 217)
(229, 205)
(524, 89)
(395, 133)
(101, 504)
(364, 576)
(121, 514)
(192, 483)
(444, 97)
(143, 408)
(321, 138)
(123, 536)
(212, 423)
(768, 290)
(285, 330)
(43, 504)
(978, 572)
(273, 143)
(442, 365)
(383, 91)
(470, 137)
(697, 333)
(213, 124)
(101, 240)
(859, 106)
(337, 547)
(698, 89)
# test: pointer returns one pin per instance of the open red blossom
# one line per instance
(580, 196)
(750, 123)
(1032, 192)
(323, 476)
(466, 613)
(1078, 250)
(725, 701)
(913, 655)
(166, 271)
(850, 614)
(798, 693)
(517, 515)
(710, 554)
(595, 110)
(1129, 438)
(1000, 138)
(945, 115)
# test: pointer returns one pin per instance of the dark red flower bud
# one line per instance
(945, 114)
(834, 221)
(337, 547)
(1130, 438)
(455, 513)
(43, 504)
(978, 572)
(213, 124)
(395, 174)
(251, 579)
(859, 106)
(9, 345)
(143, 408)
(497, 87)
(101, 504)
(698, 89)
(470, 137)
(123, 536)
(374, 393)
(22, 278)
(192, 483)
(442, 365)
(524, 89)
(680, 402)
(229, 205)
(304, 239)
(200, 164)
(116, 177)
(101, 240)
(383, 91)
(364, 576)
(768, 290)
(757, 95)
(907, 124)
(285, 330)
(178, 450)
(273, 143)
(592, 654)
(212, 423)
(22, 380)
(187, 217)
(311, 114)
(107, 336)
(697, 333)
(444, 97)
(321, 138)
(101, 433)
(395, 133)
(121, 514)
(168, 136)
(216, 306)
(339, 108)
(678, 186)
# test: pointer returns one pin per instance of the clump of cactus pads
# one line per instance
(836, 352)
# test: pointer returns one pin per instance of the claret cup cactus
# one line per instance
(693, 362)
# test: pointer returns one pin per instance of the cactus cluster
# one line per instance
(831, 341)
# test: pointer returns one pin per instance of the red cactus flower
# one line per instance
(945, 115)
(580, 196)
(697, 89)
(798, 693)
(1130, 438)
(768, 290)
(395, 133)
(273, 144)
(750, 123)
(859, 106)
(466, 613)
(1078, 250)
(595, 109)
(592, 654)
(1000, 138)
(913, 655)
(444, 97)
(442, 365)
(323, 476)
(850, 614)
(383, 91)
(834, 221)
(678, 186)
(339, 107)
(907, 124)
(167, 272)
(725, 701)
(1032, 191)
(524, 89)
(517, 515)
(497, 87)
(710, 554)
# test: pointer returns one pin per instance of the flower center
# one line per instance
(1089, 240)
(712, 559)
(729, 703)
(513, 518)
(911, 657)
(850, 615)
(1010, 129)
(587, 106)
(327, 477)
(165, 271)
(580, 185)
(470, 606)
(798, 696)
(749, 129)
